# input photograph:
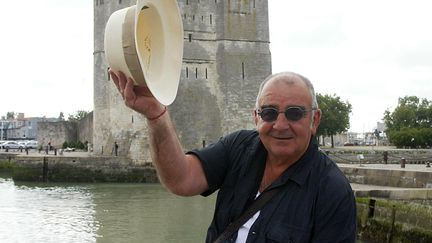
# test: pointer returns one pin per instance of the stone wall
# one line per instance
(388, 177)
(85, 129)
(226, 56)
(78, 169)
(56, 133)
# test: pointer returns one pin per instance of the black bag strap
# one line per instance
(256, 205)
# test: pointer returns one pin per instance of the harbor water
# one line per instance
(32, 212)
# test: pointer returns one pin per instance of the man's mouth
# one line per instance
(282, 137)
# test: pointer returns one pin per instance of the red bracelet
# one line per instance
(156, 117)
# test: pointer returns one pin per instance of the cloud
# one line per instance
(369, 53)
(49, 50)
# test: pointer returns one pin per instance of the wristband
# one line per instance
(156, 117)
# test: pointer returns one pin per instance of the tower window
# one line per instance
(211, 19)
(187, 72)
(196, 72)
(190, 37)
(206, 74)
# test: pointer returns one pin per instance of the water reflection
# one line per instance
(46, 214)
(32, 212)
(150, 214)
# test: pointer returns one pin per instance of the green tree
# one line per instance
(335, 115)
(61, 116)
(77, 116)
(10, 115)
(410, 124)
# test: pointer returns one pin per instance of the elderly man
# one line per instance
(314, 201)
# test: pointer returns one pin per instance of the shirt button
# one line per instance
(253, 232)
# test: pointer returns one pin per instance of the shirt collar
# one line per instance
(299, 171)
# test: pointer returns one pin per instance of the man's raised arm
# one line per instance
(182, 174)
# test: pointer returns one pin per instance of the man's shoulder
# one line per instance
(242, 137)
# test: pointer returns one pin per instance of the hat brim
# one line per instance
(158, 49)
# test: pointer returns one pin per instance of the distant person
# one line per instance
(314, 201)
(115, 149)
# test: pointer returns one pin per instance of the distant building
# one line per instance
(21, 128)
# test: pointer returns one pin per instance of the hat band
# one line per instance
(129, 47)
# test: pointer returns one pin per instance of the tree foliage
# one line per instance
(10, 115)
(410, 124)
(61, 116)
(77, 116)
(335, 115)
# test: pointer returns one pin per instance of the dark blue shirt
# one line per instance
(316, 203)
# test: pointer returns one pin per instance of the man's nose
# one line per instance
(281, 122)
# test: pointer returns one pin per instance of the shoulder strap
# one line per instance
(256, 205)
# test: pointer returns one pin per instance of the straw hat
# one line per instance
(145, 42)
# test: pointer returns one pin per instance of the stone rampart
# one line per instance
(85, 129)
(79, 169)
(56, 133)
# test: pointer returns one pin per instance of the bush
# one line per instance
(74, 144)
(411, 137)
(79, 145)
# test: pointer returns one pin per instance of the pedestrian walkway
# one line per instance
(408, 167)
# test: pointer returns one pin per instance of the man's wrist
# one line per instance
(158, 116)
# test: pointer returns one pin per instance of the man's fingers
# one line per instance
(122, 81)
(114, 78)
(129, 94)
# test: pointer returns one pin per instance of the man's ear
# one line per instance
(255, 114)
(316, 121)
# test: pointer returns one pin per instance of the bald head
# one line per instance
(289, 78)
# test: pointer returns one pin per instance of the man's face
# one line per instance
(284, 139)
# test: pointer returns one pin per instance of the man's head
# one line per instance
(286, 115)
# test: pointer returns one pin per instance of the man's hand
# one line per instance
(139, 98)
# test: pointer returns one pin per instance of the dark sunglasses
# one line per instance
(293, 113)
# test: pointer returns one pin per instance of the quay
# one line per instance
(390, 181)
(75, 167)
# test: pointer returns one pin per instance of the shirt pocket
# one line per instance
(284, 233)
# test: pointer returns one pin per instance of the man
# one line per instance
(315, 204)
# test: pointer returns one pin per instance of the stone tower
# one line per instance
(226, 56)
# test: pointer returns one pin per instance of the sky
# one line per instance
(369, 53)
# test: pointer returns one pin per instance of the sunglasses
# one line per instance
(293, 113)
